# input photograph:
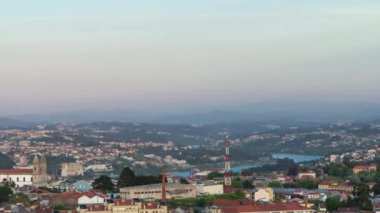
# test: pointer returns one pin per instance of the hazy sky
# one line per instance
(108, 54)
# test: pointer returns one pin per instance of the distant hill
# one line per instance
(9, 122)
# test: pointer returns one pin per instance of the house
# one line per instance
(306, 174)
(333, 185)
(260, 194)
(364, 168)
(91, 198)
(153, 191)
(82, 186)
(210, 188)
(71, 169)
(20, 177)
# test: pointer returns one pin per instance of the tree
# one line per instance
(293, 170)
(201, 202)
(237, 184)
(376, 189)
(6, 162)
(333, 204)
(275, 184)
(213, 175)
(308, 184)
(126, 178)
(5, 193)
(248, 185)
(183, 181)
(19, 198)
(362, 196)
(103, 183)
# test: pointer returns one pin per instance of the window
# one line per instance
(23, 179)
(17, 179)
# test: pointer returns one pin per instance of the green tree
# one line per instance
(6, 162)
(237, 184)
(103, 183)
(308, 184)
(275, 184)
(201, 202)
(19, 198)
(126, 178)
(213, 175)
(248, 185)
(376, 189)
(361, 192)
(5, 193)
(333, 204)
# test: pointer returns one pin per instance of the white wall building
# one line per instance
(91, 198)
(210, 189)
(20, 177)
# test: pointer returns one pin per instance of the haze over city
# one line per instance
(167, 57)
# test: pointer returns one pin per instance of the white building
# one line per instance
(307, 174)
(210, 189)
(20, 177)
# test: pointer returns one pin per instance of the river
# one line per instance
(296, 157)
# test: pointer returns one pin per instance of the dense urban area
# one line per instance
(151, 168)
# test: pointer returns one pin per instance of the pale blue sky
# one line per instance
(107, 54)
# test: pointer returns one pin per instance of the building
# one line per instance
(364, 168)
(265, 208)
(36, 175)
(154, 191)
(125, 206)
(20, 177)
(333, 185)
(307, 174)
(210, 188)
(40, 176)
(82, 186)
(71, 169)
(260, 194)
(87, 198)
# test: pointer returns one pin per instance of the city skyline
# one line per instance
(170, 56)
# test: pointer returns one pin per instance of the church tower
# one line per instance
(40, 177)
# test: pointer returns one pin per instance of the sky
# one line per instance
(164, 55)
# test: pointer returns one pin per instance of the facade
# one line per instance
(333, 185)
(260, 194)
(210, 189)
(82, 186)
(307, 174)
(40, 176)
(364, 168)
(71, 169)
(20, 177)
(264, 194)
(91, 198)
(153, 191)
(125, 206)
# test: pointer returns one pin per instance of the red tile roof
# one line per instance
(264, 208)
(224, 202)
(119, 202)
(150, 206)
(16, 171)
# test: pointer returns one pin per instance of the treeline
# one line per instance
(6, 162)
(127, 178)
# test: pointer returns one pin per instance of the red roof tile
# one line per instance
(16, 171)
(264, 208)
